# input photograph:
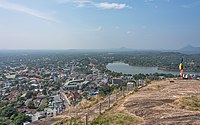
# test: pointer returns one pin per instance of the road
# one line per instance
(64, 96)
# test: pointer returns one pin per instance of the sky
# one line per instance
(99, 24)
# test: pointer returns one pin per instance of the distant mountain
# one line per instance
(122, 49)
(190, 50)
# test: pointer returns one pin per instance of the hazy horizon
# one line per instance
(99, 24)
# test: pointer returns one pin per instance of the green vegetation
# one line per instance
(5, 121)
(8, 111)
(9, 116)
(90, 104)
(116, 119)
(105, 90)
(66, 121)
(29, 94)
(162, 60)
(31, 105)
(190, 103)
(20, 118)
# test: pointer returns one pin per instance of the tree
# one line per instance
(44, 92)
(21, 118)
(8, 111)
(29, 94)
(40, 109)
(31, 105)
(105, 90)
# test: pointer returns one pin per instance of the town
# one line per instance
(39, 85)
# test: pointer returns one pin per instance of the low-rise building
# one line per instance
(131, 85)
(117, 81)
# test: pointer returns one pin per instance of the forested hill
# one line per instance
(163, 60)
(190, 50)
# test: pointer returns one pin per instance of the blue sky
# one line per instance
(99, 24)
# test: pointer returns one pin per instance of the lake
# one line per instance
(127, 69)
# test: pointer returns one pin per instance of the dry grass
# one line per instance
(189, 102)
(154, 87)
(68, 121)
(90, 104)
(76, 121)
(117, 119)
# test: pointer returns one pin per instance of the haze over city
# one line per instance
(99, 24)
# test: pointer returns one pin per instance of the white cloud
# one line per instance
(83, 3)
(23, 9)
(192, 4)
(143, 26)
(152, 3)
(148, 1)
(185, 6)
(63, 1)
(99, 28)
(106, 5)
(117, 27)
(130, 32)
(88, 3)
(77, 3)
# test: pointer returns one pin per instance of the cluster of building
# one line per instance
(47, 90)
